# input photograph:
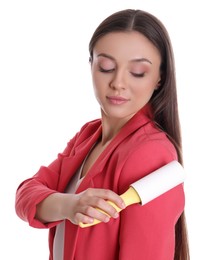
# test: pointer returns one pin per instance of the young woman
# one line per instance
(134, 82)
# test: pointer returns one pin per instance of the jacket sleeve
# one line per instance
(147, 232)
(33, 190)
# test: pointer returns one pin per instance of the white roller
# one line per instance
(159, 181)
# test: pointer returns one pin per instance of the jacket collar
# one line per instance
(141, 118)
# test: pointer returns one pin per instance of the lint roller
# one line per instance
(150, 187)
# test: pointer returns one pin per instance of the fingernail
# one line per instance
(106, 219)
(116, 215)
(91, 220)
(123, 206)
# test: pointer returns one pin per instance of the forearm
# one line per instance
(51, 208)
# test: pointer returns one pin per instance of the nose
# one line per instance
(118, 81)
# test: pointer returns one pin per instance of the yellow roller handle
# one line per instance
(129, 197)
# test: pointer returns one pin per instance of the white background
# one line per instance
(46, 95)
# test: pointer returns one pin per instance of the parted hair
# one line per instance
(164, 100)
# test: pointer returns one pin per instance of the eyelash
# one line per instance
(105, 71)
(136, 75)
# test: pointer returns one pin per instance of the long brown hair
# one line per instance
(164, 100)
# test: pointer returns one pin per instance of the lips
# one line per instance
(117, 100)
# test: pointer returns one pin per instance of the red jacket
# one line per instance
(141, 232)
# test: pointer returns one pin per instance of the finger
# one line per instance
(87, 218)
(109, 195)
(99, 208)
(97, 219)
(107, 208)
(97, 213)
(82, 218)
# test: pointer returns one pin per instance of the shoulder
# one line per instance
(148, 150)
(149, 142)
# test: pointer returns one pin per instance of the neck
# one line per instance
(111, 127)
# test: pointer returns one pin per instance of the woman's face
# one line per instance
(125, 73)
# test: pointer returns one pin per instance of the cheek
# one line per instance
(100, 80)
(96, 81)
(94, 76)
(143, 90)
(98, 85)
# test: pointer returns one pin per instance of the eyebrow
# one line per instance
(142, 60)
(106, 56)
(134, 60)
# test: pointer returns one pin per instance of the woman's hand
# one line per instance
(82, 207)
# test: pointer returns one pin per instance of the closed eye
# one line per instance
(105, 71)
(138, 75)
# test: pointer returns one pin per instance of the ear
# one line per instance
(158, 84)
(90, 59)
